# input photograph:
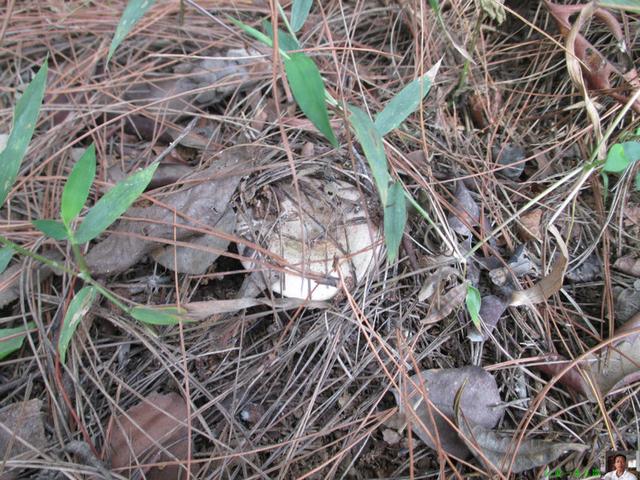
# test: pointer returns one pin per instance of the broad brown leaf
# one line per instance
(153, 431)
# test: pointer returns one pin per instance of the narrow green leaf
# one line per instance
(24, 123)
(308, 90)
(395, 219)
(257, 34)
(132, 13)
(78, 308)
(11, 339)
(51, 228)
(157, 315)
(617, 160)
(113, 204)
(629, 5)
(6, 254)
(373, 148)
(76, 190)
(286, 42)
(299, 13)
(473, 302)
(638, 181)
(405, 102)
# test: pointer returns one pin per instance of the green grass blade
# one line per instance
(373, 147)
(78, 308)
(308, 90)
(132, 13)
(11, 339)
(113, 204)
(638, 181)
(395, 219)
(286, 42)
(24, 124)
(157, 315)
(51, 228)
(629, 5)
(257, 34)
(405, 102)
(299, 13)
(6, 254)
(473, 302)
(76, 190)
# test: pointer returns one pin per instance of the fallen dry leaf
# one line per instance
(21, 429)
(205, 249)
(480, 403)
(153, 431)
(432, 283)
(550, 284)
(499, 448)
(629, 265)
(491, 309)
(530, 225)
(467, 212)
(450, 301)
(627, 302)
(512, 156)
(204, 198)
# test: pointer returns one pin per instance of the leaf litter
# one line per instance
(312, 350)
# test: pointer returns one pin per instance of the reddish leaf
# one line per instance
(153, 431)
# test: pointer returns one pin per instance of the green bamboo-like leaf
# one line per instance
(257, 34)
(157, 315)
(473, 302)
(373, 147)
(405, 102)
(51, 228)
(617, 160)
(78, 308)
(6, 254)
(629, 5)
(132, 13)
(286, 41)
(638, 181)
(299, 13)
(114, 203)
(24, 123)
(308, 90)
(395, 219)
(76, 190)
(11, 339)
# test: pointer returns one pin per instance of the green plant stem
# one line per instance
(286, 22)
(83, 275)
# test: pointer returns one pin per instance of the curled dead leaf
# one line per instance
(450, 301)
(467, 212)
(202, 203)
(629, 265)
(550, 284)
(529, 226)
(480, 402)
(153, 431)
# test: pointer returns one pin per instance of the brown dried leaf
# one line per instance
(627, 302)
(629, 265)
(530, 225)
(205, 202)
(21, 424)
(512, 156)
(204, 250)
(491, 309)
(550, 284)
(152, 431)
(467, 211)
(450, 301)
(498, 448)
(202, 310)
(480, 403)
(431, 285)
